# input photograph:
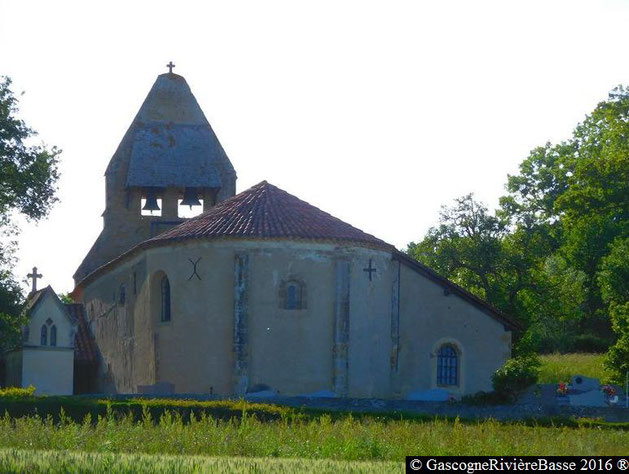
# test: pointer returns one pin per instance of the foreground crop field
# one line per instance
(561, 367)
(74, 434)
(40, 462)
(346, 438)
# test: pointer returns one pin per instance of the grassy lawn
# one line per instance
(72, 434)
(346, 438)
(561, 367)
(19, 461)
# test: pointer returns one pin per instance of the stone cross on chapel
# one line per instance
(170, 67)
(34, 276)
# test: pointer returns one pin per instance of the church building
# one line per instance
(261, 292)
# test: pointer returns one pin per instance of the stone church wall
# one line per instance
(115, 306)
(430, 317)
(194, 349)
(356, 336)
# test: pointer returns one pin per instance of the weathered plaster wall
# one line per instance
(346, 339)
(430, 317)
(370, 325)
(123, 334)
(49, 369)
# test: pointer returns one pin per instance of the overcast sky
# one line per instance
(377, 112)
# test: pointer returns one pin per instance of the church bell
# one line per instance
(151, 202)
(190, 198)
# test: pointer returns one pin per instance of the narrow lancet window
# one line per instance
(165, 293)
(53, 335)
(44, 335)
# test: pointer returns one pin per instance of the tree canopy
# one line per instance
(554, 252)
(28, 176)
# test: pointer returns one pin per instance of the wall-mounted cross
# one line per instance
(34, 277)
(170, 67)
(369, 269)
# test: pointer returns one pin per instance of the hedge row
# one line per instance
(77, 408)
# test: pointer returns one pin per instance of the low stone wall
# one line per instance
(525, 408)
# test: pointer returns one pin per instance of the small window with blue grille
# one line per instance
(447, 366)
(293, 295)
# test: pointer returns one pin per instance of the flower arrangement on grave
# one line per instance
(608, 390)
(562, 388)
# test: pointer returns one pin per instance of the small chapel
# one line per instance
(260, 292)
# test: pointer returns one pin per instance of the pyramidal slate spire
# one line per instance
(171, 100)
(169, 151)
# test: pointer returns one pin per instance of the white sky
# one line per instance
(377, 112)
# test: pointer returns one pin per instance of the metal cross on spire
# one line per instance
(34, 276)
(170, 67)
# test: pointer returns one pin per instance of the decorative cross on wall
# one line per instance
(170, 67)
(369, 269)
(194, 268)
(34, 276)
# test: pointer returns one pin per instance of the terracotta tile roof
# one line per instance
(85, 349)
(266, 212)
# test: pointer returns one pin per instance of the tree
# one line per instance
(465, 247)
(28, 175)
(509, 265)
(594, 208)
(614, 281)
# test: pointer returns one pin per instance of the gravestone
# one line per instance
(320, 394)
(160, 388)
(261, 394)
(585, 384)
(593, 398)
(434, 395)
(548, 399)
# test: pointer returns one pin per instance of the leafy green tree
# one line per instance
(507, 265)
(614, 282)
(28, 174)
(465, 247)
(594, 209)
(545, 256)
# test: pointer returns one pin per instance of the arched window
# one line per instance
(53, 335)
(293, 295)
(165, 299)
(447, 365)
(44, 335)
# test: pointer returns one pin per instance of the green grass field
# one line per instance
(40, 462)
(346, 438)
(68, 434)
(561, 367)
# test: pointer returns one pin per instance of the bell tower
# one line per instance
(168, 160)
